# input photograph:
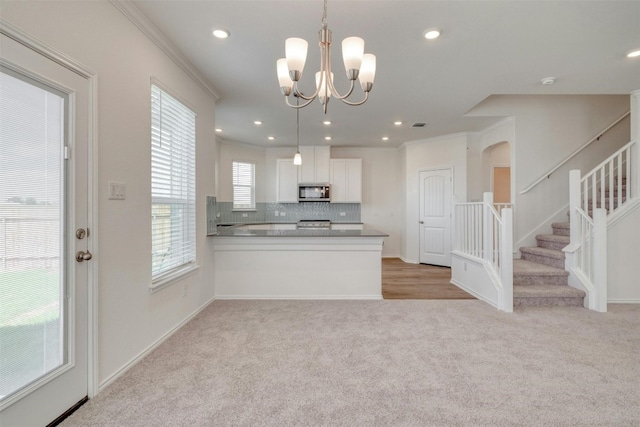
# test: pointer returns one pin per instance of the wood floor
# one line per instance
(418, 281)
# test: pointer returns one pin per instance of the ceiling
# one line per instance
(486, 47)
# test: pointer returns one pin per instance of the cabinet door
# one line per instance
(287, 181)
(322, 160)
(354, 180)
(308, 166)
(338, 181)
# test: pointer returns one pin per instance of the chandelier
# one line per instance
(356, 63)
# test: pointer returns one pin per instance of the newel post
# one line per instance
(487, 226)
(574, 203)
(600, 259)
(506, 259)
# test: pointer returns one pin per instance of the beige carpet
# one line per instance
(383, 363)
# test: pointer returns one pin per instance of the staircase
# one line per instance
(539, 277)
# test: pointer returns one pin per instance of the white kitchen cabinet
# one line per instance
(287, 181)
(315, 164)
(346, 180)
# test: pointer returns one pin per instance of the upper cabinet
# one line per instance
(287, 181)
(315, 164)
(346, 180)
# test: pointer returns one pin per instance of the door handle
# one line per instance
(421, 222)
(83, 256)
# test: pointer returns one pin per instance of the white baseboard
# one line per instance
(409, 261)
(152, 347)
(623, 301)
(299, 297)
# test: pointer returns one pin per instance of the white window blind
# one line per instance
(173, 184)
(244, 193)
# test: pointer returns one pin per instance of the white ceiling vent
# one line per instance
(419, 125)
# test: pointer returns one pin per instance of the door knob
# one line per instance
(83, 256)
(421, 222)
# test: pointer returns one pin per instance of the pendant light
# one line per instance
(297, 159)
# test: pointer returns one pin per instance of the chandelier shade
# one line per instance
(357, 64)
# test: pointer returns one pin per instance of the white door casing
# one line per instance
(435, 217)
(48, 397)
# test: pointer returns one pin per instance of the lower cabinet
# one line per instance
(287, 181)
(346, 180)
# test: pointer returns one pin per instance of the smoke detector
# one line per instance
(548, 81)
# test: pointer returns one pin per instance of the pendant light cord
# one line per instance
(298, 124)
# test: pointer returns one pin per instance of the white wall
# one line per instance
(546, 130)
(623, 268)
(382, 194)
(98, 36)
(449, 151)
(231, 152)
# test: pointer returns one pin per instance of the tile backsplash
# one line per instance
(287, 212)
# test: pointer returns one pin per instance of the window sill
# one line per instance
(172, 277)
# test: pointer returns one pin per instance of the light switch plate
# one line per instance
(117, 191)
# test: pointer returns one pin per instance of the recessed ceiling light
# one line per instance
(218, 130)
(432, 33)
(257, 122)
(548, 81)
(633, 54)
(221, 33)
(385, 138)
(327, 138)
(326, 122)
(398, 123)
(271, 138)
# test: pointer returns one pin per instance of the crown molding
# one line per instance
(154, 34)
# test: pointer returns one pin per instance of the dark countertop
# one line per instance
(239, 231)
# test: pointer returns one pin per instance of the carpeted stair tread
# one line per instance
(547, 291)
(549, 253)
(552, 241)
(523, 267)
(561, 228)
(553, 238)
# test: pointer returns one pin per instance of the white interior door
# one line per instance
(44, 116)
(435, 217)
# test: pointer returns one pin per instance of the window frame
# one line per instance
(182, 185)
(252, 186)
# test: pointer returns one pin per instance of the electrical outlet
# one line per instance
(276, 213)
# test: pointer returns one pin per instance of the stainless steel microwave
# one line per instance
(314, 193)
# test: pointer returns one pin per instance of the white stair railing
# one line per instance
(604, 186)
(483, 233)
(591, 197)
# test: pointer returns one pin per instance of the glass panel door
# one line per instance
(32, 273)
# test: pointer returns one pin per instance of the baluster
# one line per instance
(618, 192)
(628, 173)
(611, 198)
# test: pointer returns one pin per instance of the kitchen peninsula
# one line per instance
(283, 261)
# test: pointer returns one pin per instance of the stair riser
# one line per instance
(548, 302)
(561, 231)
(540, 259)
(525, 280)
(551, 245)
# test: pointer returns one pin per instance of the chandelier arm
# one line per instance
(366, 96)
(286, 98)
(330, 85)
